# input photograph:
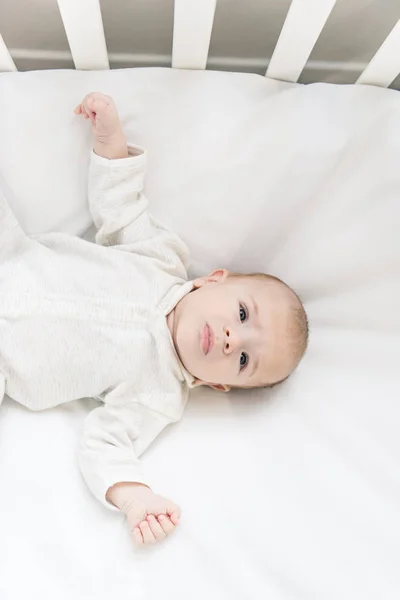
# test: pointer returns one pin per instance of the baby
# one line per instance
(119, 321)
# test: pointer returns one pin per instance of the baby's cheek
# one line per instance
(221, 370)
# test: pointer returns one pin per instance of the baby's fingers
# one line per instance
(137, 536)
(148, 536)
(166, 524)
(86, 108)
(175, 514)
(89, 108)
(80, 110)
(156, 528)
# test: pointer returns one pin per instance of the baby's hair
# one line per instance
(298, 333)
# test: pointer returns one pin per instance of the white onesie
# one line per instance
(79, 320)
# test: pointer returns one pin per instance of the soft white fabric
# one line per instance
(288, 494)
(83, 320)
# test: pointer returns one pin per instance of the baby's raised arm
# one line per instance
(116, 199)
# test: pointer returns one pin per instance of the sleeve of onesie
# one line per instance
(119, 210)
(113, 437)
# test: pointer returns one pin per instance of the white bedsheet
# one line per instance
(288, 494)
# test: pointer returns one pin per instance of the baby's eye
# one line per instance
(243, 313)
(244, 359)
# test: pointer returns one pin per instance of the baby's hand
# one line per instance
(110, 141)
(151, 517)
(103, 114)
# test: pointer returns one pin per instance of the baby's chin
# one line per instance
(184, 354)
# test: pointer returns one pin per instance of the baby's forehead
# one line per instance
(264, 288)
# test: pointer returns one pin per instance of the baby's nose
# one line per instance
(231, 340)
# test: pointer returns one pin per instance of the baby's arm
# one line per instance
(116, 176)
(113, 436)
(116, 200)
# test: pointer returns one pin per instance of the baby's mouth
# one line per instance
(207, 339)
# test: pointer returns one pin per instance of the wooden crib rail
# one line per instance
(85, 33)
(193, 23)
(385, 65)
(192, 30)
(6, 61)
(303, 25)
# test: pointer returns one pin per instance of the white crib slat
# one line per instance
(193, 22)
(6, 61)
(85, 33)
(385, 65)
(303, 25)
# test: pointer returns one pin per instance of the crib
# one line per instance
(291, 493)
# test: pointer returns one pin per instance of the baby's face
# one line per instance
(231, 331)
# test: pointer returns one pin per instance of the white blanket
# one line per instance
(288, 494)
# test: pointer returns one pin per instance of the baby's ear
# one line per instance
(220, 387)
(216, 276)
